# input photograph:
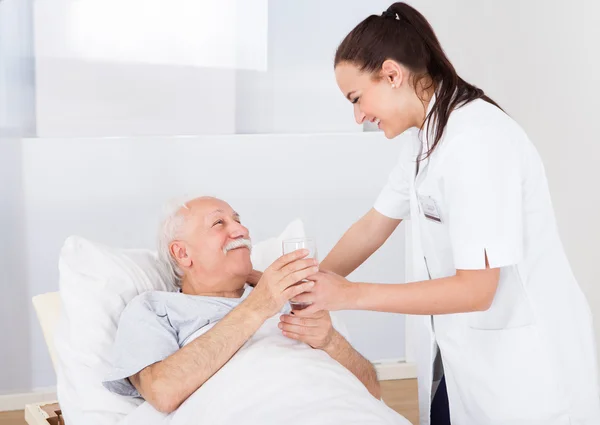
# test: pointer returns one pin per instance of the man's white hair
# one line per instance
(170, 230)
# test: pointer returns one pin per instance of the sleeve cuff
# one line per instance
(387, 205)
(121, 387)
(472, 257)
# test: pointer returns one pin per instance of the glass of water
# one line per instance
(291, 245)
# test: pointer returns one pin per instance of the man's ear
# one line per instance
(180, 254)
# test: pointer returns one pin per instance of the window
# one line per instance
(171, 67)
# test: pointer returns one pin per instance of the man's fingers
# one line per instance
(297, 329)
(303, 298)
(292, 335)
(311, 310)
(301, 321)
(298, 276)
(288, 258)
(298, 265)
(316, 315)
(295, 290)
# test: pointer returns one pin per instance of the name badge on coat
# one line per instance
(430, 208)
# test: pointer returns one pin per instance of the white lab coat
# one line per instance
(530, 359)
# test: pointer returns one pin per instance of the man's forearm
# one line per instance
(340, 350)
(174, 379)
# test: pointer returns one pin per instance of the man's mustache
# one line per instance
(238, 243)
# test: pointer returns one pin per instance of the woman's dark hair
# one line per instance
(402, 34)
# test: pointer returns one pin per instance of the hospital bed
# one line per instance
(79, 322)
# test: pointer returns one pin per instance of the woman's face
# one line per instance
(386, 99)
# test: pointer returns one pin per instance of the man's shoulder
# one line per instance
(150, 301)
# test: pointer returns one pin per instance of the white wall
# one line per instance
(16, 119)
(15, 355)
(16, 68)
(76, 98)
(298, 93)
(111, 190)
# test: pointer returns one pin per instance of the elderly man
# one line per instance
(170, 345)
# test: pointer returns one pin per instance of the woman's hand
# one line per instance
(331, 292)
(315, 330)
(279, 283)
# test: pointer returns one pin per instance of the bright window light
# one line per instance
(203, 33)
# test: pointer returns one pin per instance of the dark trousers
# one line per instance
(440, 409)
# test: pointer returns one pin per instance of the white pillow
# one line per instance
(265, 252)
(96, 283)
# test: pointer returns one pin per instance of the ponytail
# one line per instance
(403, 34)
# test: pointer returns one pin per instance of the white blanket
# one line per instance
(273, 380)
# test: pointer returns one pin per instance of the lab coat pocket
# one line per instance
(507, 377)
(511, 307)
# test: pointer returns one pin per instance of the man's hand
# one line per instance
(168, 383)
(279, 283)
(254, 277)
(315, 329)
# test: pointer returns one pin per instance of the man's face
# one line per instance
(211, 228)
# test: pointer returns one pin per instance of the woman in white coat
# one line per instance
(496, 297)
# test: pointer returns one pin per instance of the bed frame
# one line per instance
(47, 307)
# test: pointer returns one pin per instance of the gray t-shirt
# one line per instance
(155, 325)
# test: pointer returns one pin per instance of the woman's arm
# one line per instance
(466, 291)
(356, 245)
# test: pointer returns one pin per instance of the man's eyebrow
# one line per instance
(209, 215)
(219, 211)
(348, 95)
